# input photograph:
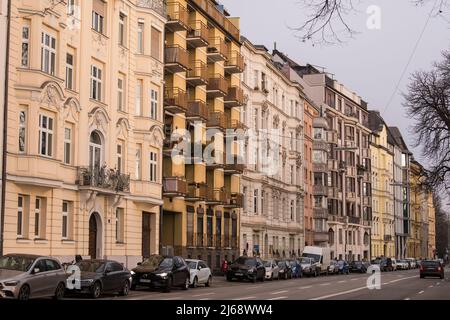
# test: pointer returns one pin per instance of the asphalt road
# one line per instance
(398, 285)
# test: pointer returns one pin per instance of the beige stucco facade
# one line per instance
(3, 39)
(79, 178)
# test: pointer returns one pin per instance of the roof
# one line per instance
(398, 138)
(376, 122)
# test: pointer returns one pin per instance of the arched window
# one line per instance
(95, 150)
(331, 236)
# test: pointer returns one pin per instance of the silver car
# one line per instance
(25, 276)
(272, 269)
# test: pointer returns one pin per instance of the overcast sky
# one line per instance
(370, 64)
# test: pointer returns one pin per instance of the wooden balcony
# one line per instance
(175, 100)
(197, 35)
(177, 17)
(174, 187)
(215, 196)
(196, 192)
(217, 50)
(217, 120)
(175, 59)
(197, 110)
(235, 97)
(217, 86)
(236, 124)
(236, 167)
(234, 200)
(235, 62)
(197, 74)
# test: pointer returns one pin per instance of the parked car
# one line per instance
(320, 255)
(285, 270)
(249, 268)
(309, 267)
(333, 268)
(272, 269)
(26, 276)
(412, 263)
(431, 268)
(100, 276)
(394, 264)
(162, 272)
(358, 266)
(296, 268)
(386, 264)
(200, 273)
(344, 267)
(402, 265)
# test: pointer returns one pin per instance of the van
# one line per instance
(321, 256)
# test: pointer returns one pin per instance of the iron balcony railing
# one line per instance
(176, 55)
(235, 62)
(103, 178)
(197, 109)
(176, 186)
(217, 120)
(198, 31)
(157, 5)
(175, 98)
(217, 83)
(197, 191)
(178, 16)
(198, 70)
(235, 96)
(217, 49)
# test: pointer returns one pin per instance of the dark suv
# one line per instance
(249, 268)
(161, 272)
(431, 268)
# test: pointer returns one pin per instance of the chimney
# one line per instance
(275, 45)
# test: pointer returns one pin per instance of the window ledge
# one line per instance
(120, 243)
(100, 34)
(22, 240)
(41, 241)
(98, 102)
(67, 241)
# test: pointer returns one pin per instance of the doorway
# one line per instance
(146, 234)
(95, 236)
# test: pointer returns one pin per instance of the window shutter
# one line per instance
(156, 44)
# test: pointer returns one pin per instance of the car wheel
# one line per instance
(208, 283)
(59, 292)
(186, 284)
(96, 290)
(125, 289)
(279, 277)
(263, 277)
(133, 286)
(195, 282)
(169, 285)
(24, 293)
(442, 277)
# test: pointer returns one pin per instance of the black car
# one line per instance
(100, 276)
(285, 271)
(431, 268)
(162, 273)
(249, 268)
(358, 266)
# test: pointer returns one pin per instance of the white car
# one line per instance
(394, 264)
(402, 265)
(412, 263)
(272, 269)
(200, 273)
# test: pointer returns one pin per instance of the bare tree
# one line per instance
(428, 103)
(442, 225)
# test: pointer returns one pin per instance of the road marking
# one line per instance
(342, 281)
(253, 287)
(438, 284)
(203, 294)
(278, 292)
(174, 298)
(325, 284)
(306, 287)
(420, 292)
(430, 286)
(354, 279)
(407, 298)
(205, 299)
(244, 298)
(278, 298)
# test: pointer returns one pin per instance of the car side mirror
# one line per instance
(36, 270)
(199, 268)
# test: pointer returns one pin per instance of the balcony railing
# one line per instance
(236, 124)
(216, 196)
(177, 17)
(387, 237)
(319, 190)
(197, 74)
(103, 178)
(198, 35)
(354, 220)
(217, 86)
(320, 213)
(158, 6)
(217, 120)
(352, 114)
(175, 59)
(196, 191)
(197, 110)
(234, 200)
(174, 186)
(199, 239)
(217, 50)
(235, 97)
(235, 167)
(175, 100)
(235, 62)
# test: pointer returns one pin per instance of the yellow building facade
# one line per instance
(84, 146)
(418, 206)
(202, 99)
(431, 227)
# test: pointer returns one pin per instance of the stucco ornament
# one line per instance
(52, 95)
(98, 120)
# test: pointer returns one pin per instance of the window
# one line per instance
(96, 83)
(70, 7)
(69, 71)
(255, 201)
(244, 192)
(120, 93)
(140, 39)
(22, 130)
(45, 135)
(153, 166)
(25, 46)
(292, 210)
(67, 145)
(37, 218)
(138, 163)
(20, 214)
(48, 53)
(262, 202)
(119, 157)
(156, 44)
(139, 90)
(153, 104)
(97, 22)
(65, 220)
(119, 225)
(122, 29)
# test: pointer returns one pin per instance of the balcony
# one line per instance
(196, 192)
(235, 167)
(320, 190)
(158, 6)
(320, 236)
(234, 200)
(217, 86)
(236, 125)
(332, 165)
(351, 171)
(333, 192)
(351, 196)
(235, 97)
(175, 100)
(215, 196)
(354, 220)
(175, 59)
(365, 153)
(387, 237)
(320, 213)
(103, 179)
(351, 114)
(174, 187)
(177, 17)
(197, 35)
(217, 120)
(235, 62)
(217, 50)
(197, 110)
(197, 74)
(367, 201)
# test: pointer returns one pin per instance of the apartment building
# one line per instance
(402, 192)
(85, 129)
(418, 209)
(273, 184)
(431, 227)
(202, 99)
(383, 222)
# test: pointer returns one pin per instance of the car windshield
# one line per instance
(267, 264)
(91, 266)
(341, 263)
(357, 263)
(315, 257)
(192, 264)
(166, 263)
(246, 261)
(16, 263)
(430, 263)
(305, 260)
(152, 261)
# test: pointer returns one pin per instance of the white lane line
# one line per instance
(278, 292)
(325, 284)
(205, 299)
(244, 298)
(174, 298)
(430, 286)
(305, 287)
(253, 287)
(407, 298)
(342, 281)
(203, 294)
(420, 292)
(278, 298)
(354, 279)
(438, 284)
